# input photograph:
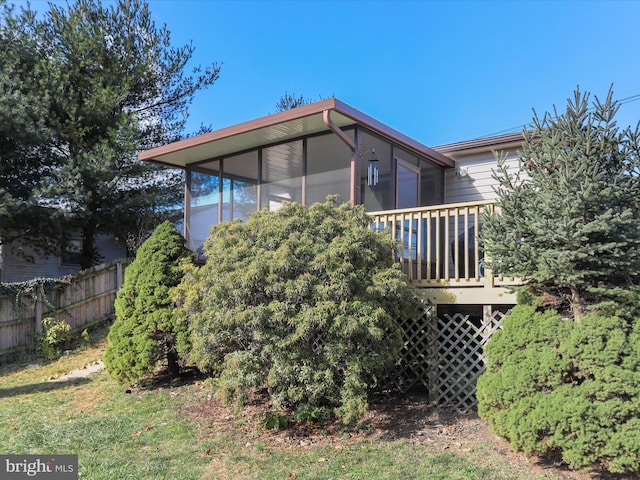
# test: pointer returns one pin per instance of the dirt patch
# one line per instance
(408, 417)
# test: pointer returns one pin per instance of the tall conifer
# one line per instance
(568, 217)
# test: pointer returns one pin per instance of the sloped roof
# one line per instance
(278, 127)
(499, 142)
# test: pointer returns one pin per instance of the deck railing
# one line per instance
(439, 245)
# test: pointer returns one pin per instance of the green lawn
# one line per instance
(150, 434)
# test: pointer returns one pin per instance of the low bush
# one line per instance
(56, 336)
(302, 302)
(559, 388)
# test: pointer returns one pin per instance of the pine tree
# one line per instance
(25, 140)
(146, 329)
(567, 219)
(112, 84)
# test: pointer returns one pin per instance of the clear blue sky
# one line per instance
(437, 71)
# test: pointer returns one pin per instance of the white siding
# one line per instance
(478, 184)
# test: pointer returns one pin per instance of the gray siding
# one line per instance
(478, 184)
(16, 269)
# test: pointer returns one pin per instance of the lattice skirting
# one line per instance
(445, 354)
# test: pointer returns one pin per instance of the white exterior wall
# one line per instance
(478, 184)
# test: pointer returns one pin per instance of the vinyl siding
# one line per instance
(16, 269)
(478, 184)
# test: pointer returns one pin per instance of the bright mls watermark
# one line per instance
(50, 467)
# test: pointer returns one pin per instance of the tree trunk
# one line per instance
(86, 256)
(172, 363)
(577, 303)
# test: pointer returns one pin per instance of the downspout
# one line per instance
(326, 117)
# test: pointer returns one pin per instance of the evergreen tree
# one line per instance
(146, 329)
(25, 140)
(290, 100)
(567, 219)
(113, 85)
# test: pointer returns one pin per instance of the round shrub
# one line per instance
(559, 388)
(146, 330)
(302, 302)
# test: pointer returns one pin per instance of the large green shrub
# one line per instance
(146, 329)
(302, 301)
(561, 388)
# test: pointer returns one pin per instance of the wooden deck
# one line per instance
(441, 253)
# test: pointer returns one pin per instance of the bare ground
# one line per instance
(408, 417)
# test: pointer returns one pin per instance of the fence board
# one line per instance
(82, 300)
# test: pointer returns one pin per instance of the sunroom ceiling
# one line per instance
(282, 126)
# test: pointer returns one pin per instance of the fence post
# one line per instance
(119, 275)
(38, 313)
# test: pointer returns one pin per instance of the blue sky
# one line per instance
(438, 71)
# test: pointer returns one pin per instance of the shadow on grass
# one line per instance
(41, 387)
(162, 379)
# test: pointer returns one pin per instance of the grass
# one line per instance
(148, 435)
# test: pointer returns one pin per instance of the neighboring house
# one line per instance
(19, 265)
(430, 198)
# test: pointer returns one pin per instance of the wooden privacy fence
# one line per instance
(82, 300)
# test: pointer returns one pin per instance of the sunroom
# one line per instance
(330, 148)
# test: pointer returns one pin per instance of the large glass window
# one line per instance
(431, 183)
(282, 170)
(71, 255)
(328, 168)
(408, 184)
(204, 205)
(240, 191)
(235, 186)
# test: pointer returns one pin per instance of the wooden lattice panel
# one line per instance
(458, 359)
(412, 370)
(443, 355)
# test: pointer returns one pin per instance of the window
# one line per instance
(282, 170)
(70, 256)
(239, 187)
(407, 185)
(328, 168)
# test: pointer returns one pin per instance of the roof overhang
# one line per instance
(486, 144)
(280, 127)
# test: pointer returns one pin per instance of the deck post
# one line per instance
(487, 310)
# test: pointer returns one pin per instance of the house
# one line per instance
(430, 199)
(19, 263)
